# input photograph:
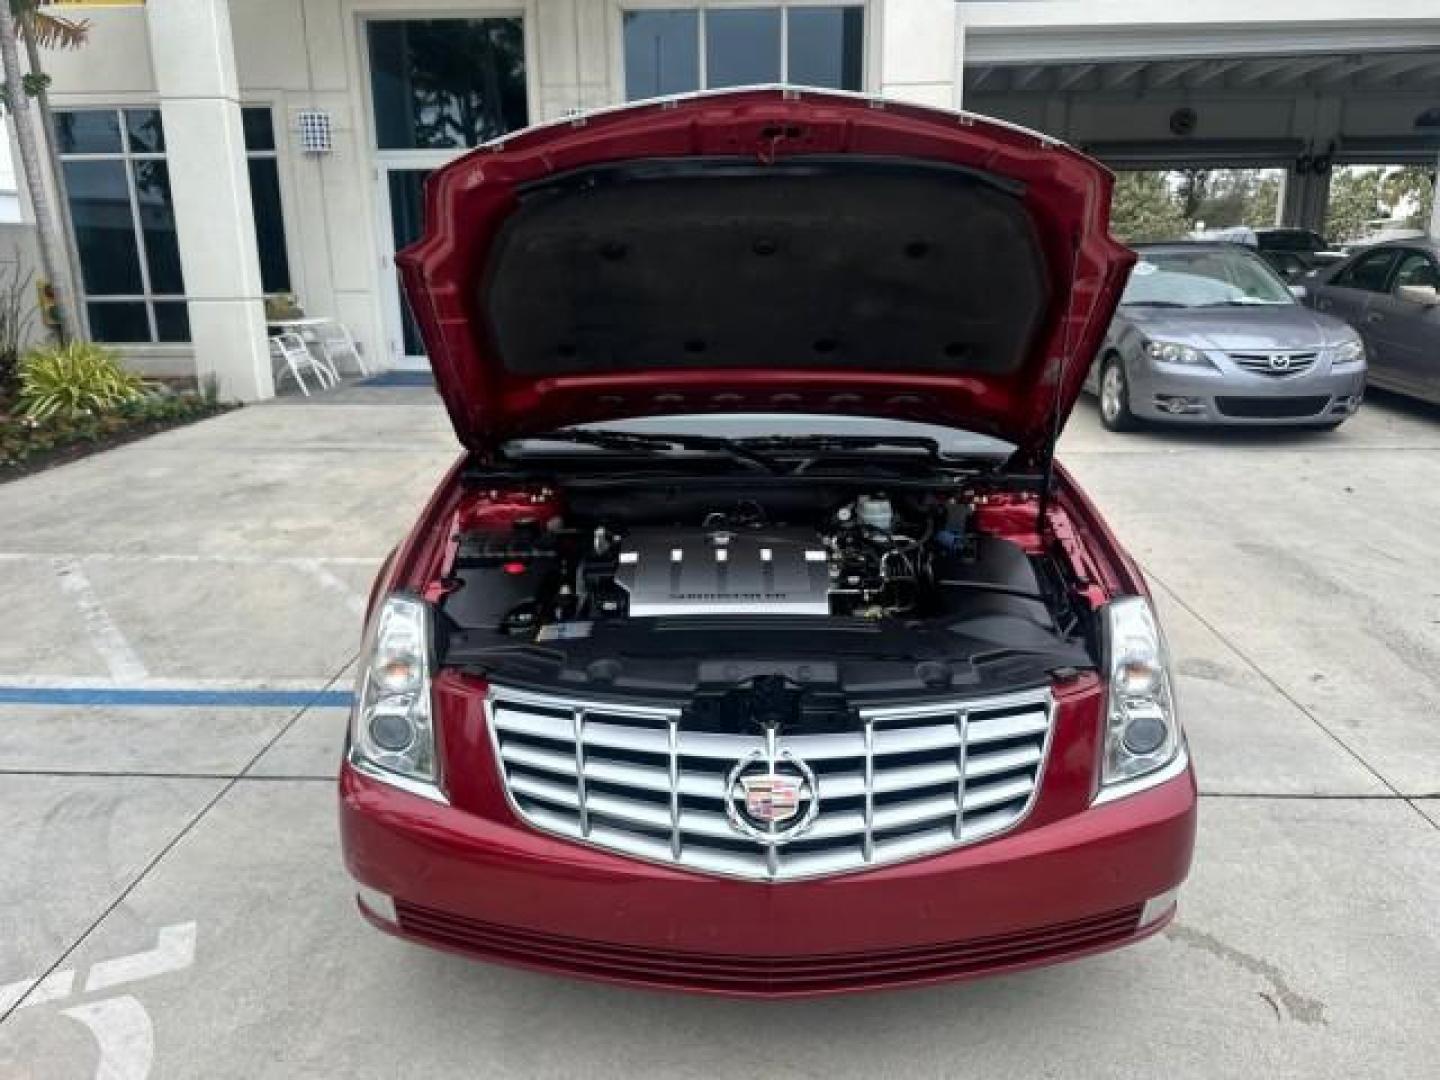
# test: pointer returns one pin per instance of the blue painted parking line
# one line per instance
(69, 695)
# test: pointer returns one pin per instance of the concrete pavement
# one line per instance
(173, 903)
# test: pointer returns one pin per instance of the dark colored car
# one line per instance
(1292, 253)
(1306, 242)
(1290, 265)
(756, 644)
(1207, 334)
(1390, 293)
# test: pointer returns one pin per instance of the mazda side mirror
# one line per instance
(1424, 295)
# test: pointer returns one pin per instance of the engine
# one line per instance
(524, 567)
(738, 563)
(755, 571)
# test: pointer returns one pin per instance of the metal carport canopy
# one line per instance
(1226, 83)
(1292, 84)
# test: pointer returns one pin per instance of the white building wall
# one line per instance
(919, 51)
(9, 186)
(115, 63)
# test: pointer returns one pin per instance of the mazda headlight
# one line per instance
(1173, 352)
(1349, 352)
(392, 737)
(1142, 731)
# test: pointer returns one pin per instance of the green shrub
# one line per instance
(73, 380)
(17, 313)
(27, 443)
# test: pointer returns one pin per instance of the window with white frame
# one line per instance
(679, 49)
(264, 166)
(118, 185)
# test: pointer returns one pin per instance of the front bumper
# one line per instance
(503, 892)
(1169, 394)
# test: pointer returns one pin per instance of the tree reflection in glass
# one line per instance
(441, 84)
(157, 225)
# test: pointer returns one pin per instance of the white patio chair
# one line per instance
(337, 344)
(322, 365)
(289, 354)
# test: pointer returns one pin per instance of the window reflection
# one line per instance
(104, 229)
(118, 321)
(172, 320)
(157, 225)
(742, 46)
(825, 46)
(259, 127)
(121, 206)
(264, 167)
(407, 222)
(662, 53)
(442, 84)
(87, 131)
(269, 225)
(144, 130)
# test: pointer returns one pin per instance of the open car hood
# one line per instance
(763, 251)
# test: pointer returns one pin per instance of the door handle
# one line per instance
(1374, 317)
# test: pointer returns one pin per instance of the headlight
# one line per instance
(1142, 732)
(1172, 352)
(1351, 352)
(391, 734)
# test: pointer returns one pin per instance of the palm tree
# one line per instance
(24, 20)
(44, 30)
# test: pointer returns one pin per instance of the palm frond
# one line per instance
(50, 31)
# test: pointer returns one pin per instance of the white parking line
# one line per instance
(52, 987)
(109, 642)
(325, 577)
(124, 1034)
(174, 950)
(121, 1025)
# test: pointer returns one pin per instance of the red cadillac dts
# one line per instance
(756, 644)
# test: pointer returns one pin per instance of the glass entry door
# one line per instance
(438, 86)
(403, 207)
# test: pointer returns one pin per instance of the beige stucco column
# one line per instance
(194, 60)
(919, 51)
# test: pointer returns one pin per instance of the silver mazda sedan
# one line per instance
(1209, 334)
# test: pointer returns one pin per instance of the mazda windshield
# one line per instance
(1205, 277)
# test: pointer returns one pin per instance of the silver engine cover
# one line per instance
(679, 571)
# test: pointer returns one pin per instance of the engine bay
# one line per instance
(677, 587)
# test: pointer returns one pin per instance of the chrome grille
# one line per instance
(1278, 365)
(910, 781)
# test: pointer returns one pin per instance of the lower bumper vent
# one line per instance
(1271, 408)
(768, 975)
